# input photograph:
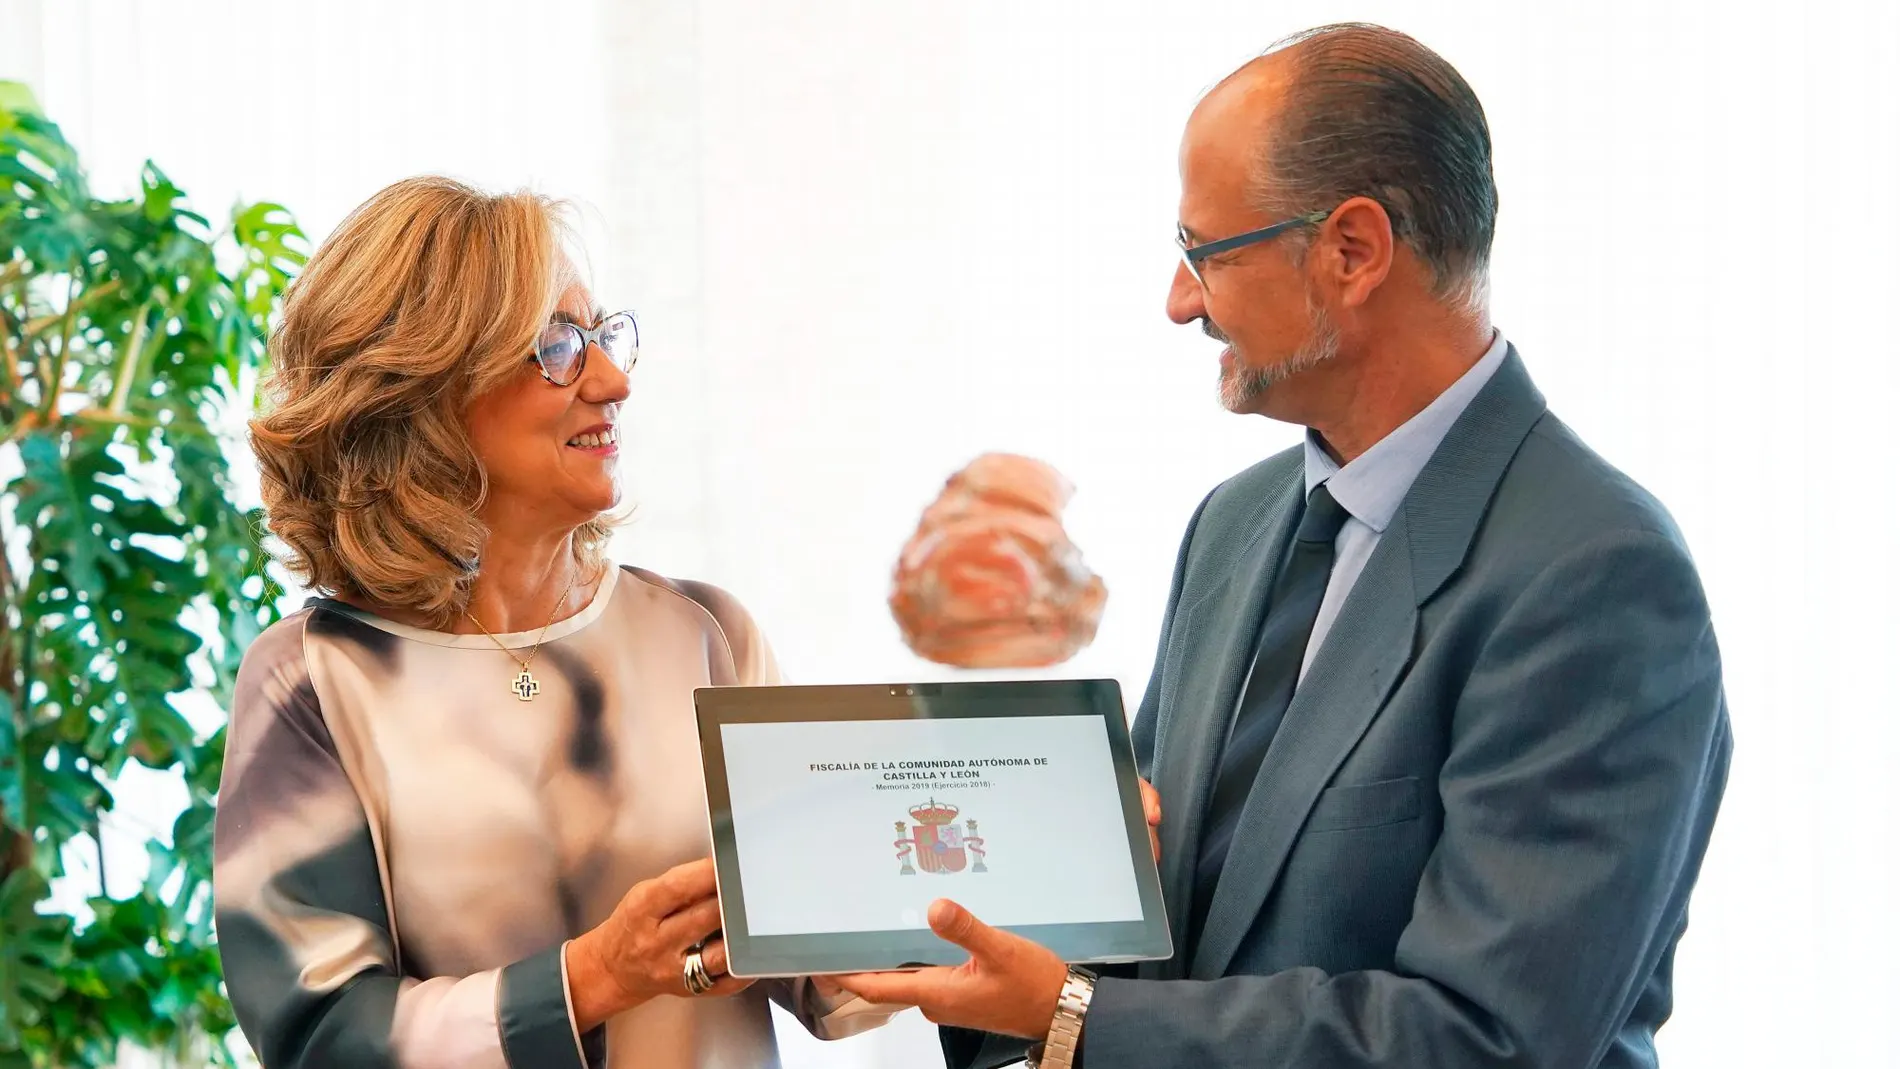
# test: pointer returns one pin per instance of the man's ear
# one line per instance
(1352, 251)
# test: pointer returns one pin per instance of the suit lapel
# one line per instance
(1219, 633)
(1370, 644)
(1368, 647)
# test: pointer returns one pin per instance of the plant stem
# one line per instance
(99, 844)
(129, 360)
(28, 422)
(8, 340)
(15, 595)
(73, 306)
(6, 588)
(10, 355)
(9, 657)
(20, 767)
(56, 378)
(9, 663)
(102, 415)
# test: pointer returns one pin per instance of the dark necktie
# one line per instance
(1292, 607)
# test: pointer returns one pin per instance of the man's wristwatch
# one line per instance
(1065, 1028)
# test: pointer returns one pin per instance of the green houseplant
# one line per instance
(131, 336)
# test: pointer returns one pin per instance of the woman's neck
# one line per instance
(525, 584)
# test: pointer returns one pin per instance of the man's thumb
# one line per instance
(961, 927)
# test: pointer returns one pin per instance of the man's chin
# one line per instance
(1242, 391)
(1246, 390)
(1238, 405)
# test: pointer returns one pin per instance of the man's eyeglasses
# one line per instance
(1192, 255)
(561, 350)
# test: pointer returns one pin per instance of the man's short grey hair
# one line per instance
(1371, 112)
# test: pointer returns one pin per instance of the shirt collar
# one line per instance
(1376, 482)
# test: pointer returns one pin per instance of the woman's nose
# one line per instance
(603, 382)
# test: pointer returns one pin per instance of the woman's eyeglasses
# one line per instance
(561, 350)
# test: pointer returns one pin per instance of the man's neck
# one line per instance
(1353, 401)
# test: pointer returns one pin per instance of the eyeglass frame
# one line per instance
(1192, 255)
(590, 339)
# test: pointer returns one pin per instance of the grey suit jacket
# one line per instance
(1473, 839)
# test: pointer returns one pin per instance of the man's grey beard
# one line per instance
(1242, 386)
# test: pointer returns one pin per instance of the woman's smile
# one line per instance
(602, 440)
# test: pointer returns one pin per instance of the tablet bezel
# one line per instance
(839, 952)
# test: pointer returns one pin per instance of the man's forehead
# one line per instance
(1216, 169)
(1249, 93)
(1223, 137)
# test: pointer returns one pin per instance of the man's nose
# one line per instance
(1186, 299)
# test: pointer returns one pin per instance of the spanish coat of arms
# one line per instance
(940, 846)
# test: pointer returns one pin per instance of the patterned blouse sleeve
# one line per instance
(303, 927)
(755, 665)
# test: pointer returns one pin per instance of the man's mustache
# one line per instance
(1208, 328)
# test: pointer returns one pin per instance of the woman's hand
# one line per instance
(640, 951)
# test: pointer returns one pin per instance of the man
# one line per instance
(1437, 718)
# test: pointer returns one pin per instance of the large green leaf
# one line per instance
(45, 217)
(34, 948)
(135, 575)
(13, 765)
(274, 249)
(63, 794)
(16, 96)
(57, 502)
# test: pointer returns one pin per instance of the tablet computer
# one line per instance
(839, 813)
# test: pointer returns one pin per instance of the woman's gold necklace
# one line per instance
(525, 686)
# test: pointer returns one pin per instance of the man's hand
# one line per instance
(1009, 985)
(1151, 808)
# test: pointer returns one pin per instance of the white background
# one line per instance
(816, 848)
(870, 239)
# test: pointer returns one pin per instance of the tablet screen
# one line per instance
(839, 813)
(848, 827)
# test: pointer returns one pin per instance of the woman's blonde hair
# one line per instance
(429, 295)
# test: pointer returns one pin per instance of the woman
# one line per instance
(462, 817)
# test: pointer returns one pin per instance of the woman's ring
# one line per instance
(698, 980)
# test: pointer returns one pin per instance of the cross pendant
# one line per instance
(525, 686)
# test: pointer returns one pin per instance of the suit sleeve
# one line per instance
(1587, 756)
(303, 928)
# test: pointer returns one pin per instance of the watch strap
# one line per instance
(1065, 1028)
